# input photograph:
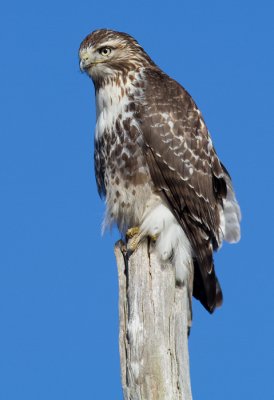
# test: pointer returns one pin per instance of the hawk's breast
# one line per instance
(121, 170)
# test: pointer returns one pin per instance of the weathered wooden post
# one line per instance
(153, 338)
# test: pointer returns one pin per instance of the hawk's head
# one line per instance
(105, 52)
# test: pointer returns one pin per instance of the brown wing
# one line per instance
(186, 171)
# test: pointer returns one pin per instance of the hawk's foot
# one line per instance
(153, 237)
(131, 232)
(133, 243)
(134, 238)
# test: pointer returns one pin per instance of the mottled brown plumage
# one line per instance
(154, 159)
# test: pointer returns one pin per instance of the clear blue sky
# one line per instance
(58, 281)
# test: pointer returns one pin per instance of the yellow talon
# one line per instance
(133, 243)
(134, 238)
(131, 232)
(154, 237)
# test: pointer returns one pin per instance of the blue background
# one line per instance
(58, 279)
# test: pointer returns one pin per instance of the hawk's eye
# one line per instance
(105, 51)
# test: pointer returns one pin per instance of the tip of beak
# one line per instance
(82, 67)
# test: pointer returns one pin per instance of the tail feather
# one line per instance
(206, 287)
(231, 218)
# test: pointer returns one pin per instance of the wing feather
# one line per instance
(185, 170)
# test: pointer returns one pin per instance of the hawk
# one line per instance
(155, 163)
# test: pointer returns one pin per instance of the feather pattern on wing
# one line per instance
(185, 169)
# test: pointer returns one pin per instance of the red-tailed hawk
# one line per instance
(155, 163)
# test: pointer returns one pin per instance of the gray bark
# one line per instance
(154, 318)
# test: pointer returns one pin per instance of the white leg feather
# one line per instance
(171, 241)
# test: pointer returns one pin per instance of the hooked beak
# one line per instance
(85, 60)
(85, 64)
